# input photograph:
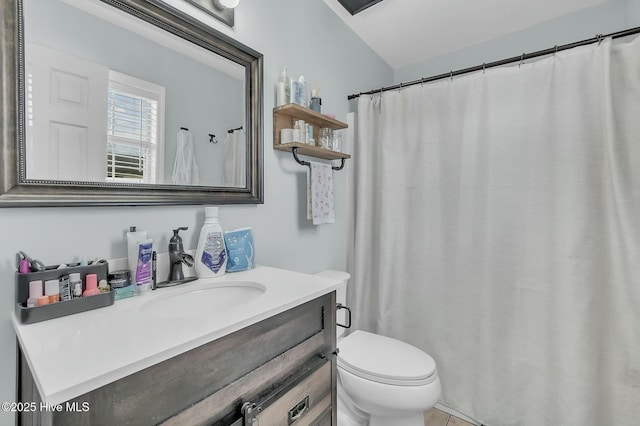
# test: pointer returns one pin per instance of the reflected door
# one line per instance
(66, 116)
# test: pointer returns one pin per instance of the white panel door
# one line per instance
(66, 116)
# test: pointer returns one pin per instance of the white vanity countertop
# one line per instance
(75, 354)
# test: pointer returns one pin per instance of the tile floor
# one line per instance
(435, 417)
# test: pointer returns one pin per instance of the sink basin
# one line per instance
(203, 300)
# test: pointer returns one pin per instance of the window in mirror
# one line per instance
(135, 116)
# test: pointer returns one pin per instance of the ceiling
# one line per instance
(404, 32)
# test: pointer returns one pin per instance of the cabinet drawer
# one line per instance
(303, 402)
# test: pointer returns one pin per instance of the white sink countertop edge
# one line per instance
(75, 354)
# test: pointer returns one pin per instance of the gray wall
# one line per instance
(308, 37)
(614, 15)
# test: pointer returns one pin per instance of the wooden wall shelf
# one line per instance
(285, 116)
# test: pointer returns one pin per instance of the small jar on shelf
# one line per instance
(325, 137)
(336, 140)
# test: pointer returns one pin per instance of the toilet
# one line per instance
(381, 381)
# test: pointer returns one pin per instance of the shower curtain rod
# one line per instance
(501, 62)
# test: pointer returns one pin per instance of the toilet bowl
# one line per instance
(381, 380)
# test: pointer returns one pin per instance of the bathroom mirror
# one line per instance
(125, 102)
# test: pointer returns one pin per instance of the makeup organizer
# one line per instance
(62, 308)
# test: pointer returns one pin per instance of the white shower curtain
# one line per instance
(234, 159)
(498, 228)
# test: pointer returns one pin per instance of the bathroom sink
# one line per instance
(203, 300)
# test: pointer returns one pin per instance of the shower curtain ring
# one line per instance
(521, 60)
(599, 36)
(451, 75)
(422, 82)
(483, 67)
(555, 50)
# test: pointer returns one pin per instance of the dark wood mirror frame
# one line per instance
(17, 191)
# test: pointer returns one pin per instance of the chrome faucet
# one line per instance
(177, 256)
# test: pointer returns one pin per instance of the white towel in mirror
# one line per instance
(185, 169)
(234, 159)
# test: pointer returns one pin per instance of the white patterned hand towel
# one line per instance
(320, 206)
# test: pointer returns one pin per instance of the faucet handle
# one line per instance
(175, 231)
(176, 240)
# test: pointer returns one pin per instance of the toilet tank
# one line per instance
(341, 295)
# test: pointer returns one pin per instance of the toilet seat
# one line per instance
(385, 360)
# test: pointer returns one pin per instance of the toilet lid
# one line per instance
(385, 360)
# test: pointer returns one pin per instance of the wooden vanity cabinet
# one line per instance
(283, 367)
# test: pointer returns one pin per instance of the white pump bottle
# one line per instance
(211, 254)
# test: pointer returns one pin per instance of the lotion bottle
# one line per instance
(211, 254)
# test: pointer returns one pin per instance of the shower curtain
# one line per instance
(497, 227)
(234, 159)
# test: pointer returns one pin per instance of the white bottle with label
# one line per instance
(211, 255)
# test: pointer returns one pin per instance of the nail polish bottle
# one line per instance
(91, 282)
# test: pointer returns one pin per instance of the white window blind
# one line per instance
(133, 131)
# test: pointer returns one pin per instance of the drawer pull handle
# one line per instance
(299, 410)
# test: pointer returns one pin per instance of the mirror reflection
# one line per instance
(110, 98)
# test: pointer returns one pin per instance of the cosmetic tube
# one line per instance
(143, 269)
